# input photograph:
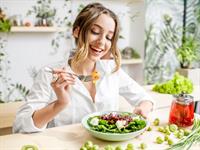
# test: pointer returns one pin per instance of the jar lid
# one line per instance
(184, 99)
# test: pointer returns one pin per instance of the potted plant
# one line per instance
(5, 24)
(43, 13)
(188, 53)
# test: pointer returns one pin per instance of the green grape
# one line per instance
(118, 147)
(187, 132)
(88, 144)
(166, 138)
(167, 130)
(170, 142)
(83, 148)
(109, 147)
(173, 127)
(179, 134)
(149, 128)
(129, 147)
(161, 129)
(156, 122)
(29, 147)
(143, 146)
(159, 140)
(95, 147)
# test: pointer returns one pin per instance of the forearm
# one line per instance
(46, 114)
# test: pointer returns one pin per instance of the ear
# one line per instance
(76, 32)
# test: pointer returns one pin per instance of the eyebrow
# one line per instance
(102, 28)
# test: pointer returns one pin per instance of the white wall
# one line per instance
(34, 50)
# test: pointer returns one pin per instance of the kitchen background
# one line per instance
(151, 28)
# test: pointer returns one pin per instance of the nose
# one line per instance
(101, 40)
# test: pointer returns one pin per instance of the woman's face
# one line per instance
(100, 37)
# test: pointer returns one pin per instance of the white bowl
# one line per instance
(111, 136)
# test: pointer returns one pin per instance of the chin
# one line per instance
(94, 58)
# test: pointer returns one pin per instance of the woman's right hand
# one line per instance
(61, 85)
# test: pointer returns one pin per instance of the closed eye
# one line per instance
(108, 38)
(94, 32)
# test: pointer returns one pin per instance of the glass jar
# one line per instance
(182, 110)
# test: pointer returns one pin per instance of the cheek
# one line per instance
(108, 46)
(92, 38)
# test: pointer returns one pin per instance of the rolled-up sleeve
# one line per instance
(131, 90)
(38, 98)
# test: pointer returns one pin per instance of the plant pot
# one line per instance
(192, 74)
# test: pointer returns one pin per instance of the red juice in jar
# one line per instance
(182, 111)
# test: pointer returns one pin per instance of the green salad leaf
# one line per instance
(179, 84)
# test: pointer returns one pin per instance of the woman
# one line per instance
(67, 99)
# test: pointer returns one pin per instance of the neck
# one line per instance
(86, 67)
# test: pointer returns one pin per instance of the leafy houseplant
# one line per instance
(43, 12)
(5, 24)
(188, 52)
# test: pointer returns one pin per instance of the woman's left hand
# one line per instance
(144, 108)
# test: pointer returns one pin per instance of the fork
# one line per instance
(83, 78)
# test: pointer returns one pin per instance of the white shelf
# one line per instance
(37, 29)
(131, 61)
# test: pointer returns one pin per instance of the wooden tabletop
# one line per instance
(72, 137)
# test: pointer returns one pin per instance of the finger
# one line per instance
(54, 78)
(63, 78)
(59, 70)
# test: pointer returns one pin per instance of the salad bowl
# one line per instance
(114, 125)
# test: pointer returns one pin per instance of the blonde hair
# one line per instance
(84, 22)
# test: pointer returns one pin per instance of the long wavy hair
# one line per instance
(83, 22)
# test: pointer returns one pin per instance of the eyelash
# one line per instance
(96, 33)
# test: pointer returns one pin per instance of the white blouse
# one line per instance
(108, 88)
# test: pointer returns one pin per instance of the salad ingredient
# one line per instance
(178, 84)
(94, 121)
(120, 124)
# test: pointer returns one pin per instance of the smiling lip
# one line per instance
(96, 51)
